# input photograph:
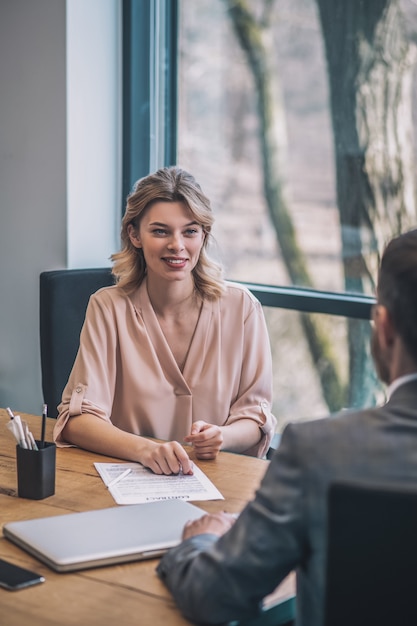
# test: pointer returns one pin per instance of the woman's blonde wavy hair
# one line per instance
(169, 184)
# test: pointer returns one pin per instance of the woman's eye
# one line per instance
(159, 231)
(191, 231)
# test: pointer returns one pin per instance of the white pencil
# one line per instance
(119, 477)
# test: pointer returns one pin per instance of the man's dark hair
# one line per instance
(397, 287)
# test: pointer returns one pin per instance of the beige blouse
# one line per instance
(125, 372)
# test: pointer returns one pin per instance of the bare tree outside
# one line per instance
(370, 67)
(255, 37)
(312, 138)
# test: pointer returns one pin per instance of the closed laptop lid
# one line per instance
(94, 538)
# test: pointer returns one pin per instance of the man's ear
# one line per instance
(384, 326)
(134, 236)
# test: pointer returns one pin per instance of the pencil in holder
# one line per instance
(36, 471)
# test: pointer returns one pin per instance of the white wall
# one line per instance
(93, 138)
(58, 197)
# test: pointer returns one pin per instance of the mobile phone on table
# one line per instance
(13, 577)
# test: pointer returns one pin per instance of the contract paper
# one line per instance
(142, 485)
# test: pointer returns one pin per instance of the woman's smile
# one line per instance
(175, 262)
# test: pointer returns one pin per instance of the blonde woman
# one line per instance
(172, 351)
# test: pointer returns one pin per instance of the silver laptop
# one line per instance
(94, 538)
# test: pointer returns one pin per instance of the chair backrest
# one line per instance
(64, 296)
(371, 556)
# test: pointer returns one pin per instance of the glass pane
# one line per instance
(309, 181)
(296, 117)
(219, 141)
(301, 388)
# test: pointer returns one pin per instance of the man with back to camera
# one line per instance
(223, 569)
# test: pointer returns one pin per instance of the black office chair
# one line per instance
(64, 296)
(372, 556)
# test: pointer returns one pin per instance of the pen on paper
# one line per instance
(119, 477)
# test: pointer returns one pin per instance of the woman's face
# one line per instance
(171, 240)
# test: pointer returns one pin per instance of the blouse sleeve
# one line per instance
(90, 387)
(254, 400)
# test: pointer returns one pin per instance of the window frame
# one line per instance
(149, 96)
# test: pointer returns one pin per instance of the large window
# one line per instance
(296, 117)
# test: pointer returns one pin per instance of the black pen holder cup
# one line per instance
(36, 471)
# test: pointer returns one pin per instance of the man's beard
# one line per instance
(381, 367)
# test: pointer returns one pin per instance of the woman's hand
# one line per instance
(207, 439)
(214, 523)
(166, 458)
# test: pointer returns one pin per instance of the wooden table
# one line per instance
(122, 595)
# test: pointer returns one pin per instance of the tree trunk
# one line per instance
(370, 74)
(253, 36)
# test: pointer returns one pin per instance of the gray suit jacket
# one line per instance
(284, 527)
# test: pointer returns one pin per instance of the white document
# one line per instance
(142, 485)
